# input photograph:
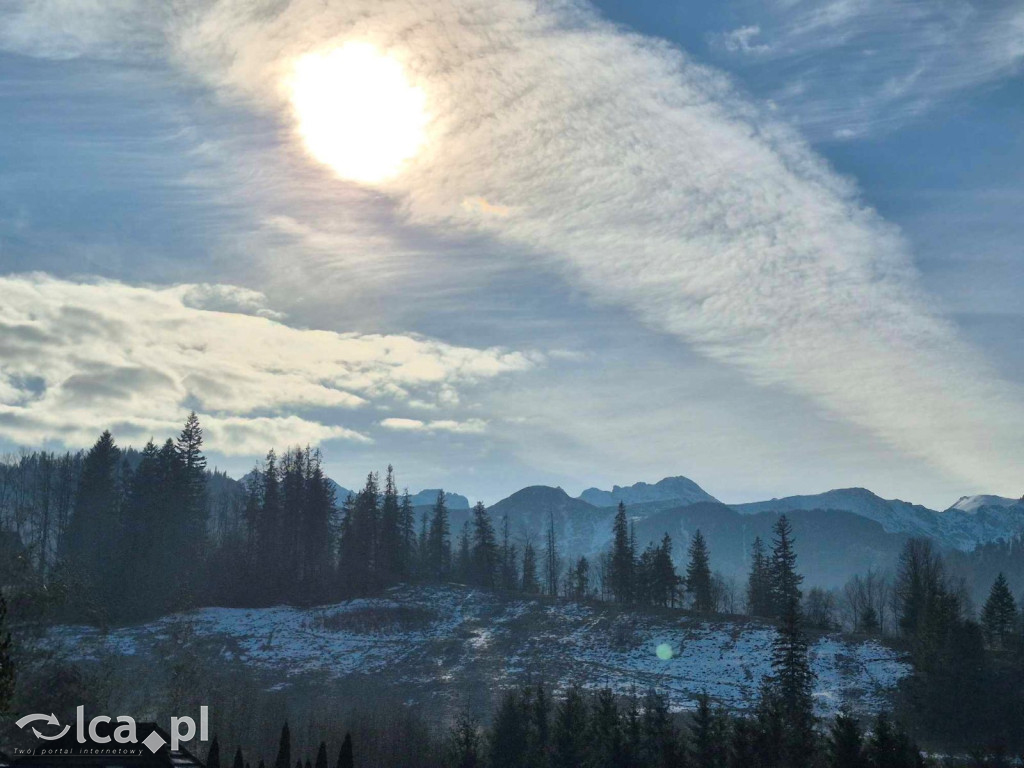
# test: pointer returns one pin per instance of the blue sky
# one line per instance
(773, 247)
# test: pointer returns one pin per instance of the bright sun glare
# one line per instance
(357, 112)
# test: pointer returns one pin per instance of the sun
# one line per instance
(357, 111)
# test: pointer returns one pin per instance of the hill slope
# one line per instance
(453, 647)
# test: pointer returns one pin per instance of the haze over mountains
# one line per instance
(840, 532)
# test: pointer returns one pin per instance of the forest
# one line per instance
(114, 535)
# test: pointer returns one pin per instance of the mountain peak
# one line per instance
(971, 504)
(677, 488)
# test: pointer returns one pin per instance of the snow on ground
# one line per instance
(444, 641)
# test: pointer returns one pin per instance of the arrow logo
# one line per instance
(51, 738)
(50, 719)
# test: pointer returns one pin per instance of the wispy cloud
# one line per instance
(852, 67)
(470, 426)
(77, 357)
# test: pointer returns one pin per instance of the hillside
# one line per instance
(449, 647)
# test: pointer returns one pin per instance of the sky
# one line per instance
(774, 247)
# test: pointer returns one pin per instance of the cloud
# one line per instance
(470, 426)
(867, 65)
(649, 183)
(78, 357)
(741, 40)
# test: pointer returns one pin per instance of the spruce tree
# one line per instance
(605, 734)
(509, 558)
(790, 685)
(552, 562)
(464, 747)
(213, 754)
(569, 731)
(580, 584)
(785, 581)
(345, 757)
(239, 762)
(407, 523)
(708, 745)
(439, 548)
(845, 743)
(485, 549)
(665, 580)
(759, 583)
(389, 544)
(660, 744)
(622, 565)
(463, 556)
(321, 756)
(999, 616)
(698, 574)
(509, 732)
(530, 585)
(364, 530)
(284, 749)
(94, 532)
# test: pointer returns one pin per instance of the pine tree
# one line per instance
(708, 746)
(463, 556)
(552, 562)
(785, 581)
(846, 743)
(94, 531)
(439, 548)
(790, 686)
(999, 616)
(698, 574)
(622, 565)
(345, 757)
(759, 594)
(569, 731)
(317, 514)
(509, 733)
(665, 580)
(580, 584)
(530, 585)
(284, 749)
(538, 732)
(605, 735)
(364, 530)
(389, 545)
(270, 556)
(321, 756)
(509, 558)
(240, 763)
(659, 744)
(744, 745)
(485, 549)
(407, 524)
(464, 748)
(213, 755)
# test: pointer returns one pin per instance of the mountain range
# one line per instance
(840, 532)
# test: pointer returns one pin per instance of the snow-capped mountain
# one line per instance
(971, 521)
(678, 489)
(971, 504)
